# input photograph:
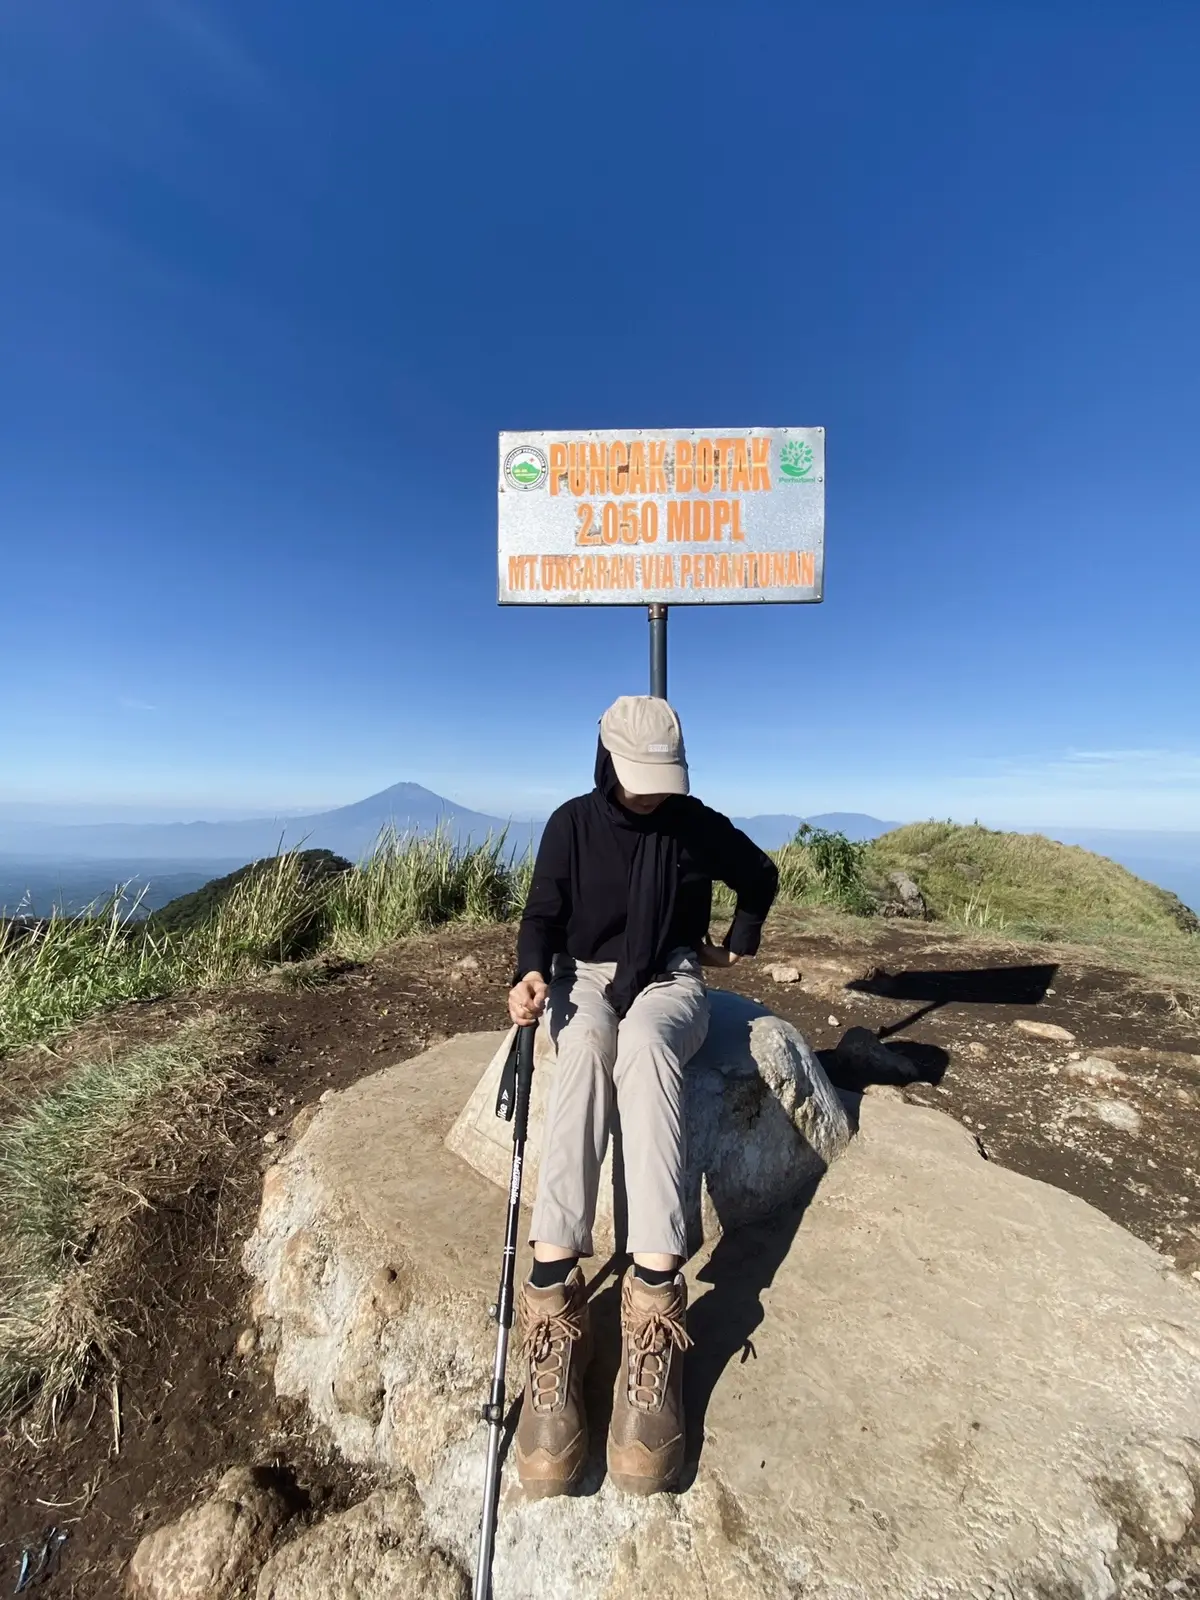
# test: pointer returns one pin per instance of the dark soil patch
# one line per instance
(192, 1405)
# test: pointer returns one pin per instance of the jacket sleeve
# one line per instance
(543, 930)
(735, 859)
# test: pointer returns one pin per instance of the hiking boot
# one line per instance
(645, 1441)
(551, 1442)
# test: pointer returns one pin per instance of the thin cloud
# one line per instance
(215, 48)
(128, 703)
(1119, 757)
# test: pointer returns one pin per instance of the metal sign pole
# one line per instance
(658, 651)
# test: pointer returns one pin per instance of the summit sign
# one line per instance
(646, 516)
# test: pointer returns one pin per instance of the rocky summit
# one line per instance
(924, 1377)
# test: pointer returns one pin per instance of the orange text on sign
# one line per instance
(628, 522)
(782, 569)
(619, 467)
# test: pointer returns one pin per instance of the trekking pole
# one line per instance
(512, 1105)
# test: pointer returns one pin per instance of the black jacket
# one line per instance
(579, 899)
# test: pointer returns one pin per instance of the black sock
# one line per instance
(546, 1274)
(653, 1277)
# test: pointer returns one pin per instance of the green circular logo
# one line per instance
(526, 467)
(796, 461)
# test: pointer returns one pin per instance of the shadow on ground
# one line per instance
(723, 1322)
(981, 986)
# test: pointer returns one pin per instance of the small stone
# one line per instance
(273, 1137)
(247, 1342)
(467, 964)
(868, 1060)
(1118, 1114)
(908, 901)
(1045, 1030)
(1095, 1069)
(272, 1111)
(832, 1020)
(978, 1049)
(783, 972)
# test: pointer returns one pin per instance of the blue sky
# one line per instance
(274, 277)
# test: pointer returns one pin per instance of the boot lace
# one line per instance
(547, 1339)
(652, 1336)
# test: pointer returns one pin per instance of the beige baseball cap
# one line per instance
(643, 736)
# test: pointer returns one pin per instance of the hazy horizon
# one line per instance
(88, 813)
(44, 862)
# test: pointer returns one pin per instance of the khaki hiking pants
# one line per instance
(639, 1061)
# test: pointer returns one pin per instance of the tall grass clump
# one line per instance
(75, 1164)
(411, 884)
(276, 913)
(56, 972)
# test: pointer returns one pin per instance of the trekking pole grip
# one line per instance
(526, 1035)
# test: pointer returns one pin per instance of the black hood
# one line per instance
(606, 774)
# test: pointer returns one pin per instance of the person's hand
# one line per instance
(527, 999)
(716, 955)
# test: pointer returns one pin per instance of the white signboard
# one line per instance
(675, 516)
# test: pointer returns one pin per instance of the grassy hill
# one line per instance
(1025, 883)
(189, 911)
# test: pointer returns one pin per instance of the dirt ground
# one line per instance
(1112, 1114)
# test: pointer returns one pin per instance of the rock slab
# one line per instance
(215, 1550)
(378, 1550)
(763, 1123)
(939, 1380)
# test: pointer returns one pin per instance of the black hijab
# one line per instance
(653, 877)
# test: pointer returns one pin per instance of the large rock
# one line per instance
(937, 1381)
(378, 1550)
(763, 1122)
(215, 1550)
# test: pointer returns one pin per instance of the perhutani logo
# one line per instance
(796, 461)
(526, 468)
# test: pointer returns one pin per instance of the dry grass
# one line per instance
(112, 1136)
